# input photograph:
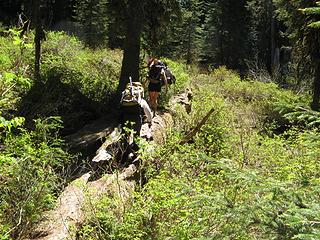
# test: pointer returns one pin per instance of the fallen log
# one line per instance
(62, 222)
(102, 154)
(92, 133)
(74, 203)
(57, 224)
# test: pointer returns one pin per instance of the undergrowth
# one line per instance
(34, 162)
(251, 172)
(238, 178)
(33, 169)
(76, 84)
(94, 72)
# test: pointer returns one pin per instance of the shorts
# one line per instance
(154, 87)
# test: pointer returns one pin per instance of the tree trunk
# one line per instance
(131, 54)
(316, 88)
(37, 37)
(189, 45)
(272, 40)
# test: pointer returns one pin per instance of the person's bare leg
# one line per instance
(153, 101)
(156, 95)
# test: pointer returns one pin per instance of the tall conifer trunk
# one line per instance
(131, 54)
(314, 48)
(37, 37)
(272, 40)
(315, 105)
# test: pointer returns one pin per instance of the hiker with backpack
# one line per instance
(133, 107)
(157, 78)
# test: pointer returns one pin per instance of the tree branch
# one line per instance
(194, 131)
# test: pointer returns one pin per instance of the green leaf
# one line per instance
(314, 24)
(17, 41)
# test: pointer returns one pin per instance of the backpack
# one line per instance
(132, 95)
(155, 71)
(171, 79)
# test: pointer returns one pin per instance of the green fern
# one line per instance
(313, 11)
(304, 115)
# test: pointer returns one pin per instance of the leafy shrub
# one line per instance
(12, 87)
(181, 72)
(76, 81)
(31, 172)
(94, 72)
(15, 54)
(231, 181)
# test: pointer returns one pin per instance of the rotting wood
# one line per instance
(183, 99)
(61, 223)
(92, 133)
(194, 131)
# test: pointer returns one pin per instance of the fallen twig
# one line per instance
(194, 131)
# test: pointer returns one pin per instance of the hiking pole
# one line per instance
(131, 87)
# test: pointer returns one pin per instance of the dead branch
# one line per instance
(194, 131)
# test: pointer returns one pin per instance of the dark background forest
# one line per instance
(252, 36)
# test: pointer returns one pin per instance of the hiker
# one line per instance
(157, 78)
(134, 107)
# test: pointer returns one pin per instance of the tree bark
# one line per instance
(272, 40)
(315, 105)
(37, 37)
(131, 54)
